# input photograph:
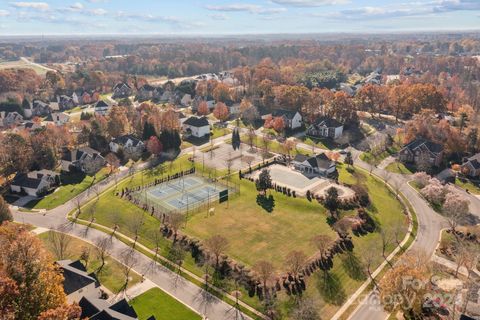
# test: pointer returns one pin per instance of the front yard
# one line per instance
(111, 275)
(72, 184)
(162, 306)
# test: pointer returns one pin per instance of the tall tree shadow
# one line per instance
(267, 203)
(330, 287)
(353, 266)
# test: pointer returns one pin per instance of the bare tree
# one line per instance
(368, 260)
(128, 261)
(252, 137)
(136, 225)
(265, 146)
(85, 255)
(295, 261)
(322, 242)
(60, 242)
(265, 272)
(386, 241)
(211, 149)
(176, 220)
(305, 310)
(217, 245)
(102, 247)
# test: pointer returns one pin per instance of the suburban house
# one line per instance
(325, 128)
(59, 118)
(83, 288)
(37, 108)
(419, 149)
(66, 102)
(8, 119)
(121, 90)
(197, 127)
(147, 92)
(34, 183)
(471, 166)
(167, 96)
(131, 146)
(31, 126)
(234, 108)
(77, 281)
(101, 108)
(319, 164)
(84, 159)
(292, 119)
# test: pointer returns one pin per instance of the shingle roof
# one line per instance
(101, 104)
(319, 161)
(124, 139)
(75, 276)
(98, 309)
(427, 145)
(287, 113)
(197, 122)
(327, 122)
(32, 179)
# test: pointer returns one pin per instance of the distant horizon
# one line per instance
(233, 17)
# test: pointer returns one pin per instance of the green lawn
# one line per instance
(398, 167)
(268, 236)
(319, 143)
(161, 305)
(467, 185)
(375, 159)
(256, 234)
(72, 185)
(111, 275)
(274, 146)
(219, 132)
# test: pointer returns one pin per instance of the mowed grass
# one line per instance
(71, 186)
(20, 64)
(387, 213)
(159, 304)
(111, 276)
(268, 236)
(467, 185)
(398, 167)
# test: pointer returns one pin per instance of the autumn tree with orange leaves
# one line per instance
(31, 284)
(221, 111)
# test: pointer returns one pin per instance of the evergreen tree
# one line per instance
(472, 140)
(264, 181)
(236, 139)
(148, 131)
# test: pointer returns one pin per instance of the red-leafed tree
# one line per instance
(203, 109)
(154, 146)
(221, 111)
(278, 124)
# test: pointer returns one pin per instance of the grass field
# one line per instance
(20, 64)
(274, 146)
(256, 234)
(111, 275)
(467, 185)
(398, 167)
(72, 185)
(377, 158)
(159, 304)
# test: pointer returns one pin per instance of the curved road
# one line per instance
(188, 293)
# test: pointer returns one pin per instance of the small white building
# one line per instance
(325, 128)
(34, 183)
(319, 164)
(59, 118)
(101, 108)
(292, 119)
(196, 127)
(186, 100)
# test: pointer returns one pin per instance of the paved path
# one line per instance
(188, 293)
(430, 225)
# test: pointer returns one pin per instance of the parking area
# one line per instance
(291, 178)
(223, 153)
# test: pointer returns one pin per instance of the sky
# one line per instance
(222, 17)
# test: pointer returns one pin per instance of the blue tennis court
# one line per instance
(183, 193)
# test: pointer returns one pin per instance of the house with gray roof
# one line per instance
(292, 119)
(318, 164)
(35, 183)
(131, 146)
(419, 149)
(84, 159)
(471, 166)
(325, 128)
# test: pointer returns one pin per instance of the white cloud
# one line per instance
(4, 13)
(218, 16)
(98, 12)
(41, 6)
(309, 3)
(240, 7)
(77, 6)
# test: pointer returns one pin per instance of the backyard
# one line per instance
(72, 184)
(162, 306)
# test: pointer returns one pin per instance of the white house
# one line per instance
(59, 118)
(325, 128)
(234, 108)
(34, 183)
(197, 127)
(129, 144)
(292, 119)
(101, 108)
(319, 164)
